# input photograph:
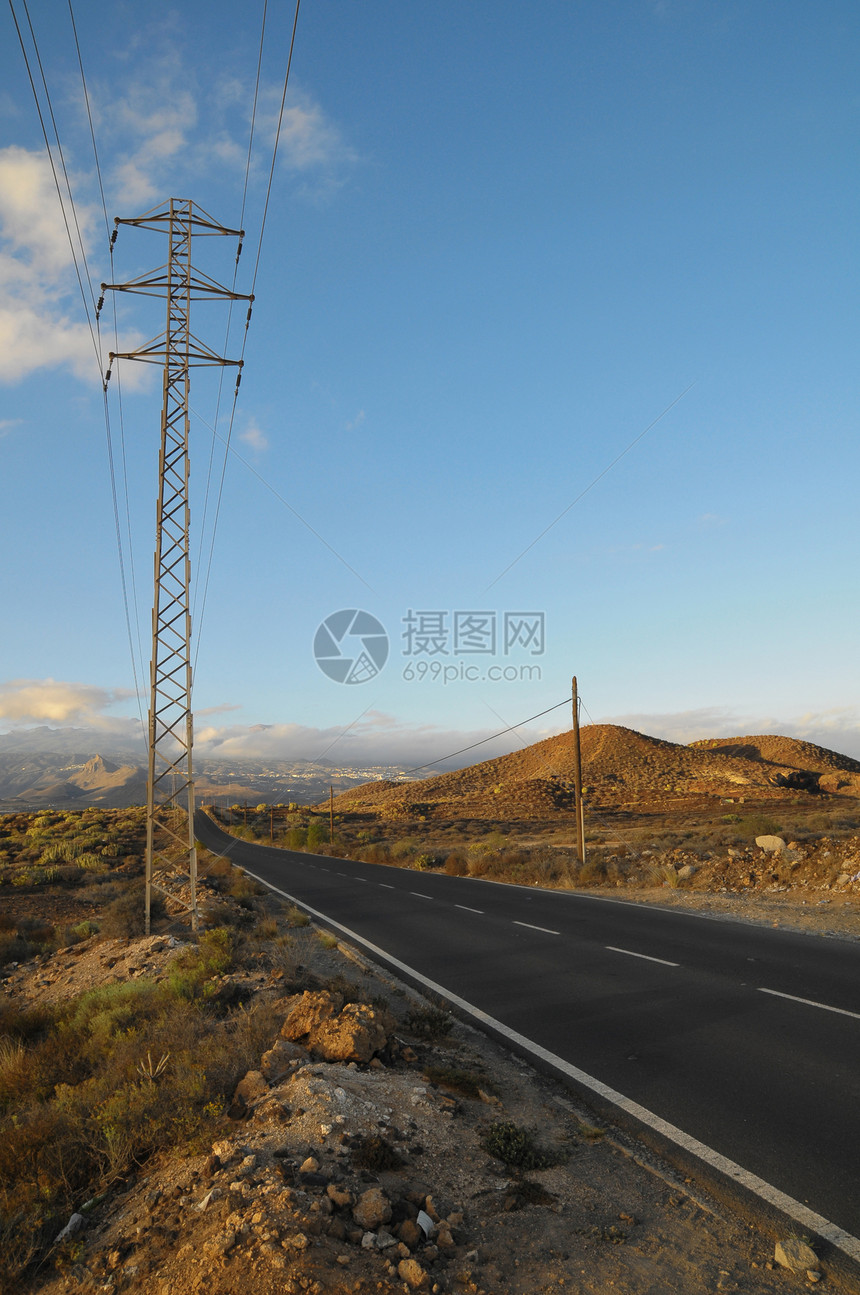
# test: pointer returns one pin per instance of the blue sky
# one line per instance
(503, 239)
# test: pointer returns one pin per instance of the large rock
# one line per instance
(355, 1035)
(307, 1011)
(372, 1209)
(248, 1091)
(771, 844)
(275, 1063)
(796, 1255)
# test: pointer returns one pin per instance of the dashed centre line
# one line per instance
(385, 885)
(810, 1002)
(418, 894)
(466, 909)
(647, 956)
(531, 927)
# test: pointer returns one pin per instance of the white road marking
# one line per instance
(466, 909)
(810, 1002)
(385, 885)
(800, 1213)
(545, 929)
(419, 895)
(664, 961)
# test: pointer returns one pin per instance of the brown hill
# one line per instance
(795, 762)
(789, 751)
(619, 767)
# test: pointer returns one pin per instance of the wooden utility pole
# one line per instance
(331, 815)
(577, 778)
(272, 824)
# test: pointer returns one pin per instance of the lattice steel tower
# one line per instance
(170, 784)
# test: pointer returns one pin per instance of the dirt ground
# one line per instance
(278, 1203)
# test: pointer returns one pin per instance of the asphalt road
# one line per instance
(745, 1037)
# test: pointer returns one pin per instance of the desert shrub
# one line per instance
(13, 948)
(429, 1023)
(456, 866)
(424, 862)
(374, 1154)
(194, 970)
(404, 848)
(592, 872)
(318, 834)
(466, 1082)
(515, 1146)
(91, 862)
(125, 917)
(118, 1075)
(216, 913)
(216, 866)
(296, 917)
(663, 874)
(297, 838)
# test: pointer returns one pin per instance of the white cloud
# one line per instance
(355, 422)
(254, 437)
(8, 424)
(374, 739)
(56, 701)
(37, 325)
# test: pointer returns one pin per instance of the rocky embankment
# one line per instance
(380, 1147)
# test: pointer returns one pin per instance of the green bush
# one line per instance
(514, 1146)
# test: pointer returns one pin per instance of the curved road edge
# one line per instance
(726, 1180)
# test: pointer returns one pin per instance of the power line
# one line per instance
(590, 486)
(510, 728)
(205, 585)
(228, 439)
(108, 430)
(54, 169)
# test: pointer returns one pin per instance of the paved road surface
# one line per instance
(745, 1037)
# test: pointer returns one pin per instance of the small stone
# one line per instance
(368, 1241)
(410, 1233)
(372, 1208)
(796, 1255)
(384, 1240)
(343, 1260)
(74, 1225)
(339, 1196)
(410, 1271)
(813, 1275)
(309, 1166)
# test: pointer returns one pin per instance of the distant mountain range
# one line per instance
(621, 768)
(73, 768)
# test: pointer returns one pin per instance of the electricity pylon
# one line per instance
(170, 783)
